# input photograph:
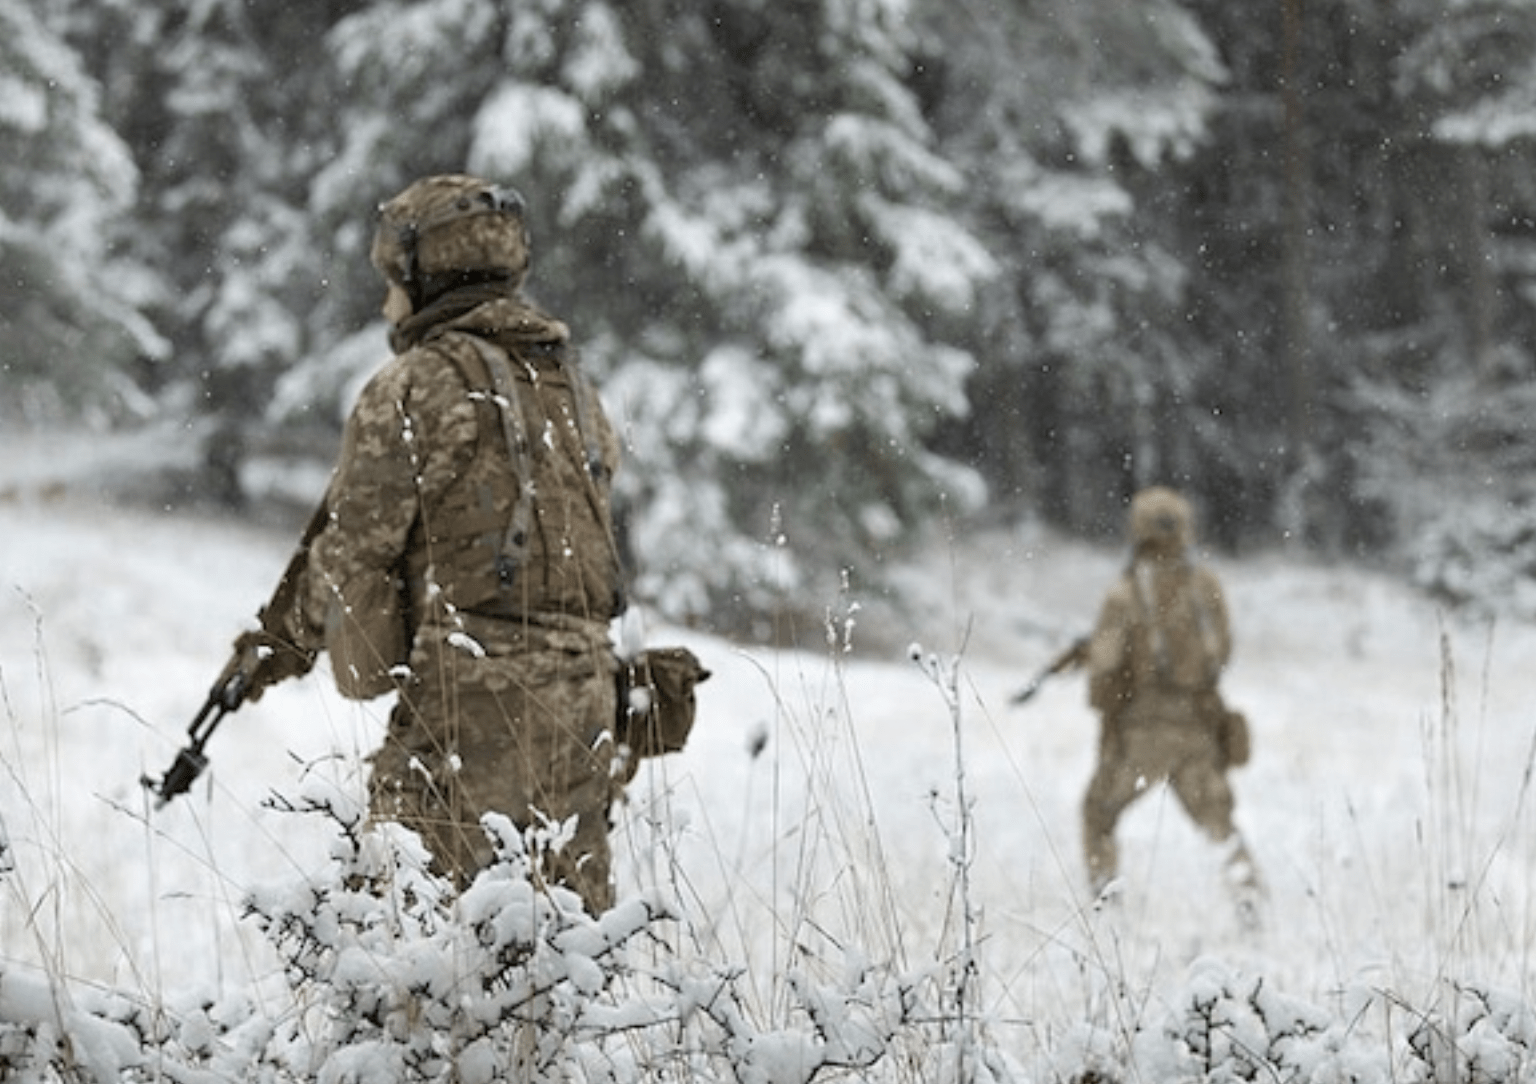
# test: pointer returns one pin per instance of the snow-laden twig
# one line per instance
(945, 676)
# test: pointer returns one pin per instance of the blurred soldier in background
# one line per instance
(1154, 660)
(464, 556)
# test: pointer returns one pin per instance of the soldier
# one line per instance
(1154, 660)
(464, 556)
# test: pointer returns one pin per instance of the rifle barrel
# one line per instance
(1074, 655)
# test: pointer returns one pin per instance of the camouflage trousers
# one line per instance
(1157, 739)
(517, 722)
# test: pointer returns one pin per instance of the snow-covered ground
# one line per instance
(817, 803)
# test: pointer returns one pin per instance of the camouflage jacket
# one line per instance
(1163, 627)
(428, 493)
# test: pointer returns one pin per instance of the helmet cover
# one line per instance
(1161, 520)
(449, 225)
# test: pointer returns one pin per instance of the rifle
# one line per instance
(261, 658)
(1075, 655)
(226, 696)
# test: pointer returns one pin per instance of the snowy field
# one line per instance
(1387, 799)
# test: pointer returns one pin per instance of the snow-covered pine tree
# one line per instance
(71, 305)
(1065, 117)
(740, 210)
(1444, 399)
(224, 111)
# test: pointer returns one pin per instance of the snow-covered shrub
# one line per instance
(49, 1035)
(394, 978)
(1482, 1036)
(1225, 1026)
(388, 975)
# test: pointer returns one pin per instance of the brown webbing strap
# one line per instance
(1141, 587)
(1141, 581)
(504, 383)
(514, 545)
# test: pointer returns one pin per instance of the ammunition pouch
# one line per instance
(1236, 742)
(656, 701)
(1229, 727)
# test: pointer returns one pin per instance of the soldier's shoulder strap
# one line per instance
(487, 369)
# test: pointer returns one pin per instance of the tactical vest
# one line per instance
(1175, 640)
(525, 527)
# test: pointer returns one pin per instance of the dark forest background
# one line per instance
(847, 271)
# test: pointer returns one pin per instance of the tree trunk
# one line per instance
(1296, 340)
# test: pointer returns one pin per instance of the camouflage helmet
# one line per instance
(1161, 521)
(444, 227)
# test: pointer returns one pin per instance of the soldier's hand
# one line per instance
(259, 661)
